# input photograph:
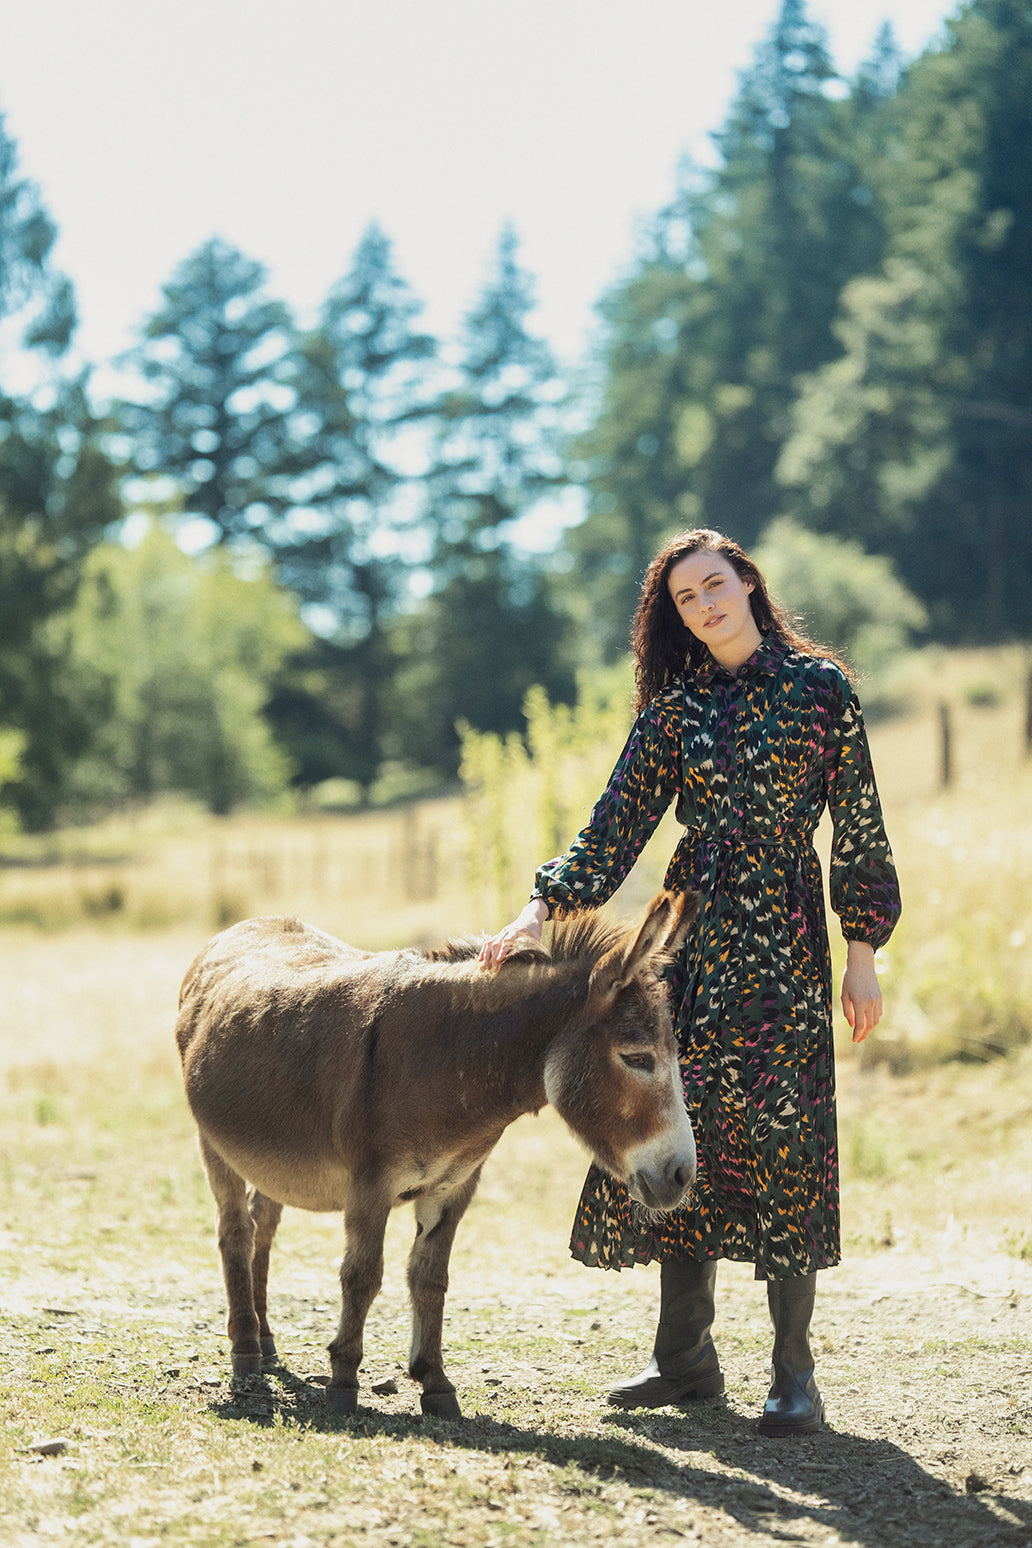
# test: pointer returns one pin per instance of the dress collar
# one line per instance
(765, 661)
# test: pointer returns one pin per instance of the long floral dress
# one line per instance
(751, 758)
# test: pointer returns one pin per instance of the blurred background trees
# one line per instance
(488, 629)
(919, 435)
(58, 493)
(824, 348)
(216, 361)
(175, 659)
(344, 547)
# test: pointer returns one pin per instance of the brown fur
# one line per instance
(335, 1079)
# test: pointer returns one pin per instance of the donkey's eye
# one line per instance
(639, 1061)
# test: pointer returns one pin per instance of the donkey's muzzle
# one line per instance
(664, 1188)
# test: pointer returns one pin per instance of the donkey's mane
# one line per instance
(585, 934)
(582, 935)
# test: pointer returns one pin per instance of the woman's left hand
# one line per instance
(861, 992)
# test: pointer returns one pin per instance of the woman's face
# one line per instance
(712, 601)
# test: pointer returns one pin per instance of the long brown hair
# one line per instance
(664, 647)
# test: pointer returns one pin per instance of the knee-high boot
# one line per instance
(684, 1365)
(794, 1406)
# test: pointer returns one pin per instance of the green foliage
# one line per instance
(850, 600)
(217, 358)
(734, 297)
(37, 306)
(12, 748)
(1019, 1245)
(361, 388)
(57, 495)
(835, 322)
(639, 455)
(863, 452)
(917, 435)
(527, 795)
(490, 628)
(174, 657)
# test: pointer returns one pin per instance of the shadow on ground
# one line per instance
(869, 1491)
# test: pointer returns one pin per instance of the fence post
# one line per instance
(946, 746)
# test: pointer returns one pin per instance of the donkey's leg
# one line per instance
(436, 1224)
(361, 1274)
(235, 1230)
(265, 1213)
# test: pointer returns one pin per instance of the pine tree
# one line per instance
(734, 298)
(920, 431)
(489, 630)
(37, 304)
(217, 356)
(57, 495)
(362, 394)
(639, 455)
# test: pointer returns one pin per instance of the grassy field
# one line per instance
(119, 1426)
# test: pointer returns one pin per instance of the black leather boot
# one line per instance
(794, 1406)
(684, 1365)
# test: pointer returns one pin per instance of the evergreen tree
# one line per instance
(489, 630)
(921, 429)
(57, 496)
(218, 358)
(649, 435)
(37, 304)
(733, 300)
(362, 393)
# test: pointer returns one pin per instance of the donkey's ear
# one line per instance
(669, 918)
(664, 927)
(687, 910)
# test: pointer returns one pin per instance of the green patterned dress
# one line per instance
(751, 759)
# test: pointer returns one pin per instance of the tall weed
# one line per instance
(526, 796)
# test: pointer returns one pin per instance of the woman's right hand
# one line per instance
(528, 922)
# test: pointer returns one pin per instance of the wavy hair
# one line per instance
(664, 647)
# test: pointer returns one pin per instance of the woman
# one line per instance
(752, 730)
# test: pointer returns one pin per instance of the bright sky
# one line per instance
(287, 125)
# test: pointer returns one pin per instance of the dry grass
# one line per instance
(382, 878)
(958, 971)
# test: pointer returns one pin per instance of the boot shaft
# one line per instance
(791, 1303)
(686, 1305)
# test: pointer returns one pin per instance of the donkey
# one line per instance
(330, 1078)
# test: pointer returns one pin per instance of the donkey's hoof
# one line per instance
(246, 1365)
(442, 1405)
(343, 1401)
(268, 1350)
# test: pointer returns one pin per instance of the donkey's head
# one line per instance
(613, 1074)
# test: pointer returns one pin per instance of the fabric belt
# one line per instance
(783, 838)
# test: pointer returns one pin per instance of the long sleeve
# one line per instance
(862, 875)
(640, 789)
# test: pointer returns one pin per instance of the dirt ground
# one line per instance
(924, 1357)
